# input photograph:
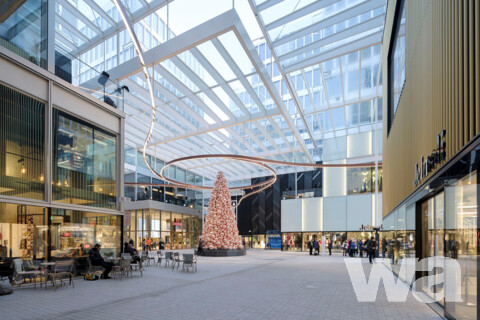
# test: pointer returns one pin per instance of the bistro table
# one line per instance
(46, 266)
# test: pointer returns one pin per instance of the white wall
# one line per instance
(359, 145)
(291, 215)
(359, 211)
(312, 209)
(335, 181)
(334, 214)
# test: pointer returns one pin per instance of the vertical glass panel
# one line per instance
(143, 192)
(84, 163)
(461, 229)
(21, 145)
(351, 81)
(72, 230)
(141, 161)
(130, 156)
(129, 189)
(360, 180)
(331, 71)
(397, 62)
(158, 192)
(24, 231)
(338, 116)
(352, 115)
(23, 29)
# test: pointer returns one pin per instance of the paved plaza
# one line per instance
(261, 285)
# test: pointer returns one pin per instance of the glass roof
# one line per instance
(264, 78)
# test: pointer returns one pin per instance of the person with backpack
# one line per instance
(371, 247)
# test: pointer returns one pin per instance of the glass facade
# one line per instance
(397, 60)
(442, 222)
(32, 232)
(22, 136)
(175, 230)
(23, 231)
(23, 27)
(84, 163)
(362, 180)
(71, 230)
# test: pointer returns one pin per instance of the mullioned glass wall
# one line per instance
(439, 221)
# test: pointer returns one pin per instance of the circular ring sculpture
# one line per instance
(258, 161)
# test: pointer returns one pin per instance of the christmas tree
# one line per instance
(220, 230)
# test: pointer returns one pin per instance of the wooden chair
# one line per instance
(62, 269)
(20, 274)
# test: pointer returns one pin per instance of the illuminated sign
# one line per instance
(430, 162)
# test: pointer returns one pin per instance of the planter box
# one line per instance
(224, 253)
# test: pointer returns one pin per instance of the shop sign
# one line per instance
(372, 228)
(430, 162)
(177, 223)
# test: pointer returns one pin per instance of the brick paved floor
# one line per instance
(261, 285)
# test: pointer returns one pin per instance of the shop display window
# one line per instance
(23, 231)
(74, 233)
(292, 241)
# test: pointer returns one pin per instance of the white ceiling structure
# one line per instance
(215, 93)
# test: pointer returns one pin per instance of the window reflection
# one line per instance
(21, 145)
(362, 180)
(84, 163)
(23, 29)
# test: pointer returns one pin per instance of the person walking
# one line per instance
(345, 248)
(330, 245)
(360, 248)
(384, 247)
(371, 247)
(316, 246)
(200, 248)
(310, 246)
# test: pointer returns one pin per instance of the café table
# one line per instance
(46, 266)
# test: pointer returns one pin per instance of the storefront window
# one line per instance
(259, 241)
(23, 231)
(461, 223)
(175, 230)
(21, 145)
(73, 230)
(292, 241)
(84, 163)
(23, 29)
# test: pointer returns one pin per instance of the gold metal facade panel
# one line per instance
(441, 89)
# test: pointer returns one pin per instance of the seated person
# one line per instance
(78, 251)
(97, 260)
(129, 249)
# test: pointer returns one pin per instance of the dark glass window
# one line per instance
(84, 163)
(396, 60)
(21, 145)
(23, 29)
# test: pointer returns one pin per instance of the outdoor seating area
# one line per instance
(28, 272)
